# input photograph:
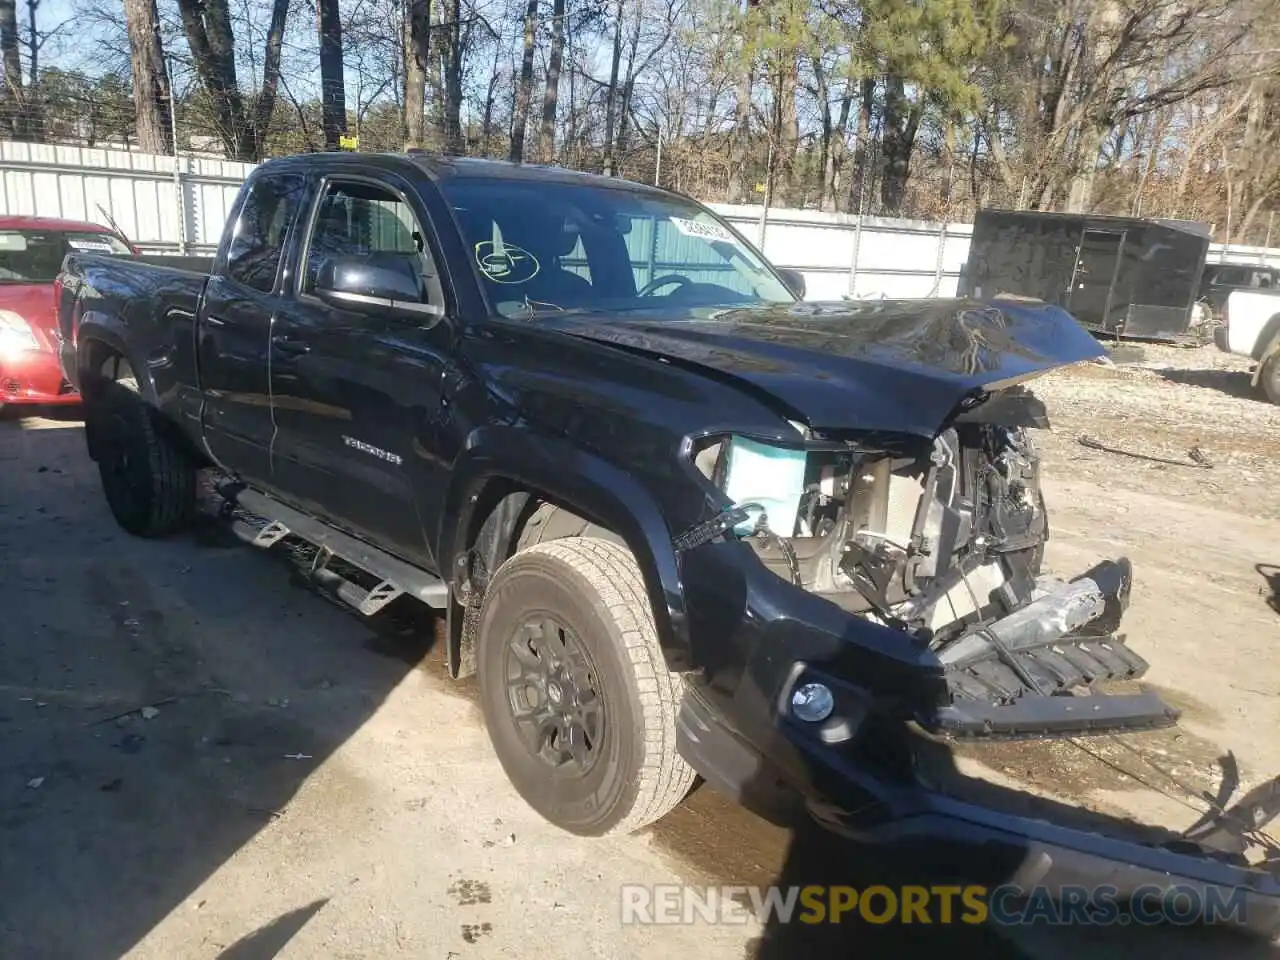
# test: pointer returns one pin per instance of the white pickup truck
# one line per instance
(1251, 328)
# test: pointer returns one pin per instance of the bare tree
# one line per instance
(550, 98)
(14, 92)
(150, 76)
(524, 91)
(417, 49)
(333, 97)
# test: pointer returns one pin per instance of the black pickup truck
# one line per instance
(678, 520)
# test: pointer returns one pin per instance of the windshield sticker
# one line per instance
(506, 263)
(91, 246)
(703, 231)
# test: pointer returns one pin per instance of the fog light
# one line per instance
(812, 702)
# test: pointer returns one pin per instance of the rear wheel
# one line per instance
(148, 479)
(576, 696)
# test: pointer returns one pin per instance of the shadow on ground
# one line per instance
(816, 855)
(110, 816)
(1270, 574)
(266, 942)
(1234, 383)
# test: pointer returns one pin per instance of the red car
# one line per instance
(31, 253)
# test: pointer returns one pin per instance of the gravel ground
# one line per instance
(1159, 410)
(306, 785)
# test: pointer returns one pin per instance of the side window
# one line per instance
(359, 219)
(253, 257)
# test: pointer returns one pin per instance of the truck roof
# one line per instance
(441, 167)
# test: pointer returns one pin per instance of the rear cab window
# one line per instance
(257, 244)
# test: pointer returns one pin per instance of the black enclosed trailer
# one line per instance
(1116, 275)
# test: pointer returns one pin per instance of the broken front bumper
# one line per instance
(762, 638)
(848, 798)
(1008, 678)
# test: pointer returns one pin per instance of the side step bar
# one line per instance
(395, 576)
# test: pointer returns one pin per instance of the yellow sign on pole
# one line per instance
(349, 143)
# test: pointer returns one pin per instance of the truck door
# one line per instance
(357, 384)
(234, 326)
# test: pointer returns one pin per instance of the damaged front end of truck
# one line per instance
(861, 584)
(943, 541)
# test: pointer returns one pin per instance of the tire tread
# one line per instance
(171, 473)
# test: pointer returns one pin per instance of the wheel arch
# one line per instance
(492, 501)
(1266, 341)
(101, 358)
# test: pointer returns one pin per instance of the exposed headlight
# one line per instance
(757, 475)
(16, 335)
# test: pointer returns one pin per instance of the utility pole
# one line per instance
(177, 162)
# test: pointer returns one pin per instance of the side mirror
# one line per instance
(793, 280)
(378, 281)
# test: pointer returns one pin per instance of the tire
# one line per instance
(149, 481)
(593, 591)
(1269, 378)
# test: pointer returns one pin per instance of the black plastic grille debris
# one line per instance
(1055, 668)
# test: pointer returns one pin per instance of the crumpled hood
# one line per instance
(899, 366)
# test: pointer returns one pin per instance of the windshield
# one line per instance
(35, 256)
(556, 246)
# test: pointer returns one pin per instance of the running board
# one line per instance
(395, 576)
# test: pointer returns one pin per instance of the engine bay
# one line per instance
(929, 542)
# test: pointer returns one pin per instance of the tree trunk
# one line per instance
(33, 45)
(333, 104)
(208, 28)
(486, 121)
(150, 77)
(14, 99)
(862, 153)
(550, 98)
(524, 91)
(452, 63)
(266, 104)
(623, 139)
(825, 154)
(417, 47)
(611, 95)
(788, 142)
(741, 146)
(901, 120)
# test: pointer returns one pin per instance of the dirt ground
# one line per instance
(305, 784)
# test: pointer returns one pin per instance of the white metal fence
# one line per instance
(841, 255)
(162, 204)
(179, 206)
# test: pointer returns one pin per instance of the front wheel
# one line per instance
(576, 696)
(1269, 378)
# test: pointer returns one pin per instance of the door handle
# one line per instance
(290, 346)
